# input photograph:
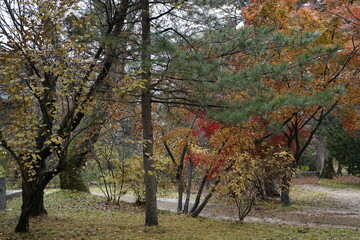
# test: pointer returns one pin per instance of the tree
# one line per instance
(342, 143)
(296, 82)
(51, 75)
(164, 80)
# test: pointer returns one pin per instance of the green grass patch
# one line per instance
(307, 197)
(301, 200)
(338, 184)
(84, 216)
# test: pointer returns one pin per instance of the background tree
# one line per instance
(106, 15)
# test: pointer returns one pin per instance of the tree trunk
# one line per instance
(259, 185)
(285, 189)
(151, 217)
(188, 189)
(339, 169)
(271, 188)
(320, 153)
(198, 195)
(37, 208)
(23, 223)
(180, 178)
(32, 205)
(198, 210)
(72, 178)
(180, 192)
(328, 171)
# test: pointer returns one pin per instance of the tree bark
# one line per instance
(180, 178)
(285, 189)
(198, 195)
(339, 169)
(270, 188)
(32, 202)
(200, 207)
(151, 216)
(320, 153)
(188, 189)
(328, 171)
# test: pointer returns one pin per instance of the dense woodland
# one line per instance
(197, 97)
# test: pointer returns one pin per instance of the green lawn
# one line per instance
(333, 183)
(84, 216)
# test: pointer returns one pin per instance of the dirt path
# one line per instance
(348, 199)
(342, 212)
(341, 209)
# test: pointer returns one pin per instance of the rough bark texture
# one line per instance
(32, 204)
(327, 170)
(151, 217)
(285, 189)
(32, 200)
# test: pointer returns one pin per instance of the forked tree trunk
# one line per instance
(198, 195)
(38, 208)
(200, 207)
(33, 204)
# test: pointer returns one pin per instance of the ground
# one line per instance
(327, 205)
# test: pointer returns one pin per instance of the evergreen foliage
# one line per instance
(343, 145)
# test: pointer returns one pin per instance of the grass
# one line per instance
(311, 198)
(333, 183)
(301, 199)
(84, 216)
